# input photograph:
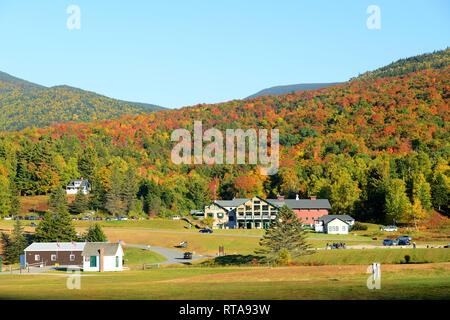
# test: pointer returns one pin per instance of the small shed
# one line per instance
(334, 224)
(102, 256)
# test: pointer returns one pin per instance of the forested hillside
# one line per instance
(435, 60)
(377, 148)
(24, 104)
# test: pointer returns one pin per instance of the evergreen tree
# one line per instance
(15, 201)
(19, 242)
(114, 203)
(5, 196)
(44, 231)
(129, 189)
(63, 230)
(284, 235)
(441, 193)
(57, 201)
(95, 234)
(80, 204)
(6, 248)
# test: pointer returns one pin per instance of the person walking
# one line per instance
(414, 245)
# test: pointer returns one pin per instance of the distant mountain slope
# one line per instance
(24, 104)
(434, 60)
(292, 88)
(9, 83)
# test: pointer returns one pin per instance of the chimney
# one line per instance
(101, 260)
(313, 198)
(296, 197)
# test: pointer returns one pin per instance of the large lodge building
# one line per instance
(257, 213)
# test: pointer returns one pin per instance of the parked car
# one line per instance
(389, 228)
(7, 218)
(389, 242)
(403, 242)
(18, 218)
(40, 218)
(176, 217)
(74, 219)
(408, 238)
(33, 224)
(188, 255)
(123, 218)
(98, 219)
(32, 218)
(206, 231)
(108, 219)
(447, 245)
(114, 219)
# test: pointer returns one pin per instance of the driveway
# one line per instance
(173, 256)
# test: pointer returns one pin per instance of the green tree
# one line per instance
(440, 191)
(95, 234)
(284, 233)
(344, 193)
(58, 200)
(114, 203)
(397, 202)
(80, 204)
(5, 196)
(6, 248)
(422, 191)
(129, 189)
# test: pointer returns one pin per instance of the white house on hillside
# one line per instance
(75, 185)
(334, 224)
(102, 256)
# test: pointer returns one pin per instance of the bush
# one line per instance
(284, 257)
(407, 258)
(358, 226)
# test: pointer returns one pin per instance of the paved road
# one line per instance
(226, 234)
(172, 255)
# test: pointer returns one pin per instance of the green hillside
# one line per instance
(434, 60)
(25, 104)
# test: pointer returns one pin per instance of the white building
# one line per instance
(75, 185)
(102, 256)
(334, 224)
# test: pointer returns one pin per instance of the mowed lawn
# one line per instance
(416, 281)
(137, 256)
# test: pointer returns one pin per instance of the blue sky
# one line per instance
(179, 53)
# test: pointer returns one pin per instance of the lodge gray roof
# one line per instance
(329, 217)
(53, 246)
(301, 203)
(236, 202)
(93, 248)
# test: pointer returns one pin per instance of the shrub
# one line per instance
(407, 258)
(358, 226)
(284, 257)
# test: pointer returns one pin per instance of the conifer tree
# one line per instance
(95, 234)
(284, 237)
(80, 204)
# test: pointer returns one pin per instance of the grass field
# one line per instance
(348, 257)
(416, 281)
(137, 256)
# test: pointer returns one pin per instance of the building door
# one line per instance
(93, 262)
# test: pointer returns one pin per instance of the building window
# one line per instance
(265, 207)
(256, 208)
(37, 257)
(220, 215)
(72, 257)
(53, 257)
(248, 208)
(210, 214)
(256, 202)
